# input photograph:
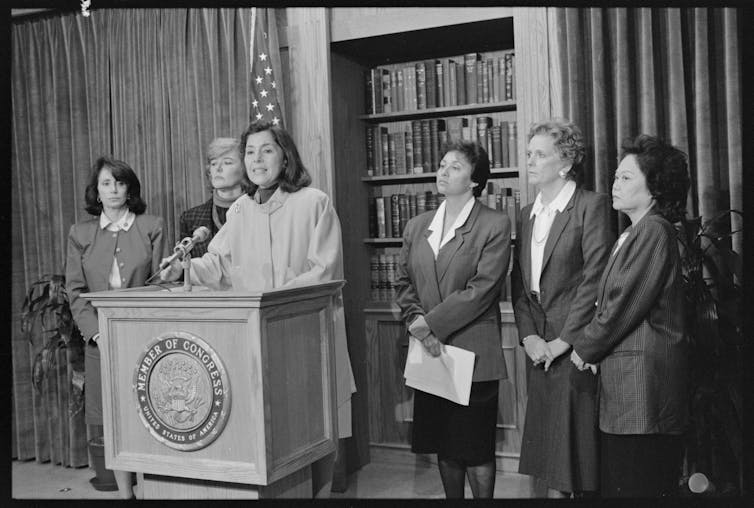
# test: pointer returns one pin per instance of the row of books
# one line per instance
(416, 147)
(388, 215)
(473, 78)
(382, 271)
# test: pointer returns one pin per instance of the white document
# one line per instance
(448, 375)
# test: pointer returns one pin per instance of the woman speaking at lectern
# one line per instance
(281, 233)
(120, 247)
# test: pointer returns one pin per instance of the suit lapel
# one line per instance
(524, 247)
(427, 263)
(558, 225)
(448, 251)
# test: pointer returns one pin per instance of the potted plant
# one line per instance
(712, 275)
(58, 365)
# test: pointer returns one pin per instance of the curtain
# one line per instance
(151, 87)
(670, 72)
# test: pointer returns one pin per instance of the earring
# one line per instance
(562, 173)
(99, 200)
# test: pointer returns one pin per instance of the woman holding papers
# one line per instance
(450, 275)
(282, 233)
(564, 243)
(637, 332)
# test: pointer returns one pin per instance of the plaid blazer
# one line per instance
(193, 218)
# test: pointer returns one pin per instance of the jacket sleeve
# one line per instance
(521, 306)
(157, 244)
(630, 292)
(82, 310)
(596, 241)
(324, 256)
(461, 307)
(213, 268)
(407, 298)
(185, 229)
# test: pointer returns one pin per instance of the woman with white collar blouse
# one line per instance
(637, 333)
(121, 247)
(449, 279)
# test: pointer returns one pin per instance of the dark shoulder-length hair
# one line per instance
(568, 141)
(294, 175)
(122, 172)
(666, 171)
(477, 157)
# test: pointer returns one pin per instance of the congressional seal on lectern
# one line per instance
(182, 391)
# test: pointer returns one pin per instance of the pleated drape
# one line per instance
(149, 86)
(670, 72)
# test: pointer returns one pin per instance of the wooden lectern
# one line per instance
(218, 394)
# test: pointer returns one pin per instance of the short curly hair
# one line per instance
(568, 140)
(122, 172)
(666, 171)
(477, 157)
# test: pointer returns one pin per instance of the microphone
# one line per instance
(184, 246)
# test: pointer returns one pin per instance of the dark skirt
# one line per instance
(560, 443)
(640, 465)
(92, 385)
(465, 433)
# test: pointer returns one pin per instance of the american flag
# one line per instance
(266, 91)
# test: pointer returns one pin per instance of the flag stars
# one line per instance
(275, 120)
(259, 116)
(259, 80)
(270, 107)
(268, 70)
(255, 103)
(263, 93)
(262, 56)
(274, 85)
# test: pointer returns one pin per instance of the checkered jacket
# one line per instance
(193, 218)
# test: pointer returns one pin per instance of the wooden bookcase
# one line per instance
(375, 325)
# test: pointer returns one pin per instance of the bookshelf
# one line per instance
(377, 338)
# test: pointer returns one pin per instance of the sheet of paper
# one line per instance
(448, 375)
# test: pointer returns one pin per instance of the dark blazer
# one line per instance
(195, 217)
(459, 294)
(90, 259)
(637, 334)
(575, 255)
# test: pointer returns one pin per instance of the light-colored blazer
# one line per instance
(575, 255)
(459, 294)
(637, 334)
(90, 259)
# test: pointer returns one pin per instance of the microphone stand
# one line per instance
(186, 264)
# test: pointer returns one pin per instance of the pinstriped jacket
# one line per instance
(637, 334)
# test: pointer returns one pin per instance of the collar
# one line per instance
(436, 225)
(560, 201)
(123, 223)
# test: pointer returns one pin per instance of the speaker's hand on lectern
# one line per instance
(173, 270)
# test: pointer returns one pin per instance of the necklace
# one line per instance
(540, 239)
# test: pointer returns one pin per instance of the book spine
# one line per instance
(479, 80)
(408, 140)
(394, 92)
(431, 81)
(403, 215)
(482, 130)
(381, 222)
(440, 79)
(434, 141)
(388, 217)
(385, 149)
(497, 146)
(505, 158)
(383, 277)
(512, 144)
(370, 150)
(374, 277)
(401, 94)
(508, 76)
(400, 152)
(490, 197)
(416, 133)
(368, 76)
(513, 76)
(411, 205)
(446, 82)
(470, 64)
(511, 205)
(386, 97)
(495, 80)
(392, 155)
(426, 147)
(452, 84)
(499, 200)
(486, 88)
(421, 86)
(421, 203)
(390, 285)
(395, 216)
(376, 74)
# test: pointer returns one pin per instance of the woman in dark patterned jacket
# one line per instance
(227, 178)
